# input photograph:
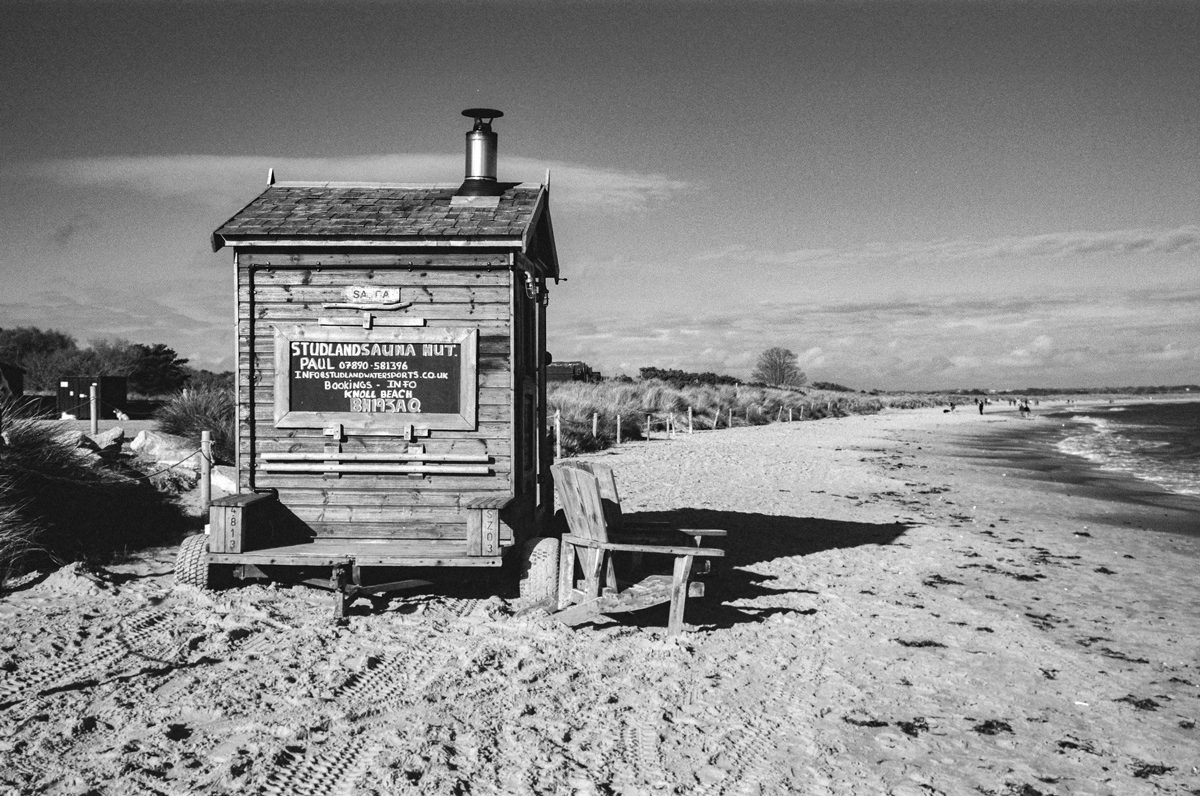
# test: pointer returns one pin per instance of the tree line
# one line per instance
(49, 355)
(776, 367)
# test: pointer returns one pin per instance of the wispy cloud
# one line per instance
(1176, 240)
(941, 342)
(144, 316)
(217, 180)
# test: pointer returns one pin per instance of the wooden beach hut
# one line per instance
(390, 374)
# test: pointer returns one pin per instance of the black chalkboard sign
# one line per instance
(393, 378)
(375, 381)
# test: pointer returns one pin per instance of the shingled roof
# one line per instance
(300, 214)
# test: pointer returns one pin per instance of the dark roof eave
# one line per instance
(219, 241)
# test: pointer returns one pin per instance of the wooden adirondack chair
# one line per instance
(589, 544)
(642, 530)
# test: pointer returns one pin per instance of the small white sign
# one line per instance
(360, 294)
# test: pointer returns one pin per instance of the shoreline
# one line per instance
(891, 618)
(1026, 451)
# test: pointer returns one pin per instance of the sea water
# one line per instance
(1156, 442)
(1139, 462)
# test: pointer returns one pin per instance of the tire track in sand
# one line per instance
(367, 702)
(149, 637)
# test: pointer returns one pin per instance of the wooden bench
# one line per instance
(590, 545)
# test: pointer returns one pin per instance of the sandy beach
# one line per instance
(898, 614)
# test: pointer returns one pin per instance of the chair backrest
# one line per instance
(607, 482)
(581, 501)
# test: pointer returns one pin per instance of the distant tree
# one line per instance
(43, 371)
(116, 357)
(208, 380)
(48, 355)
(832, 386)
(158, 370)
(22, 343)
(779, 367)
(682, 378)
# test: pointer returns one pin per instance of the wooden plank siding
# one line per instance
(455, 290)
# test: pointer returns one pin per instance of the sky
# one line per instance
(908, 195)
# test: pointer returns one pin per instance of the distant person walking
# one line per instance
(980, 402)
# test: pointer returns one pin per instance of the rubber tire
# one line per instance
(191, 564)
(539, 570)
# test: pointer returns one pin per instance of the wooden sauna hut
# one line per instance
(391, 377)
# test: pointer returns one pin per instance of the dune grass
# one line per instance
(60, 502)
(192, 411)
(711, 407)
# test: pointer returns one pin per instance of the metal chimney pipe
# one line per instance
(480, 178)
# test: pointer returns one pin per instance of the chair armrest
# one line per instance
(671, 550)
(639, 526)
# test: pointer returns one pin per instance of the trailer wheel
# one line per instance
(191, 564)
(539, 570)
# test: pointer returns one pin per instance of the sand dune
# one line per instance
(892, 618)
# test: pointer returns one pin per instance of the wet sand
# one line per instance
(895, 616)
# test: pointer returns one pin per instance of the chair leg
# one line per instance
(610, 573)
(679, 587)
(594, 571)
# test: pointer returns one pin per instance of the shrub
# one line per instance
(207, 409)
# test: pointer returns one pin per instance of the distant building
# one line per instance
(75, 393)
(571, 371)
(12, 381)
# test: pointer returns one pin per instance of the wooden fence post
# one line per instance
(205, 469)
(689, 420)
(731, 417)
(557, 433)
(789, 414)
(95, 409)
(618, 429)
(595, 424)
(647, 426)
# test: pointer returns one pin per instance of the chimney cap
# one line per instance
(482, 115)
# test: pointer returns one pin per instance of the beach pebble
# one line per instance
(224, 479)
(583, 787)
(910, 789)
(711, 775)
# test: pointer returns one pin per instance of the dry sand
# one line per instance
(892, 619)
